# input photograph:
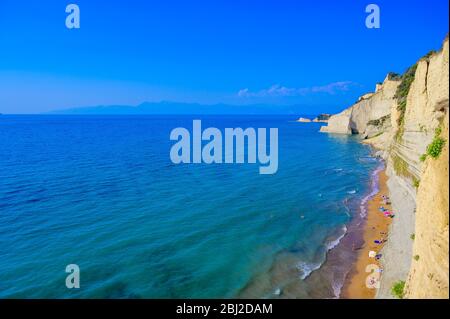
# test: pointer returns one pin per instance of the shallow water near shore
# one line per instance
(101, 192)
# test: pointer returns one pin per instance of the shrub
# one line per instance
(435, 148)
(398, 288)
(323, 117)
(438, 131)
(394, 76)
(429, 55)
(423, 157)
(416, 182)
(416, 257)
(413, 236)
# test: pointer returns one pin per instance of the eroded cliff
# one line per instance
(429, 274)
(406, 119)
(370, 111)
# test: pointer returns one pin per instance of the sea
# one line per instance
(101, 192)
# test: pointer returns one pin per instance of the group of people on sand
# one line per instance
(388, 213)
(386, 200)
(385, 211)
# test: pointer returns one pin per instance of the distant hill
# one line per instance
(191, 108)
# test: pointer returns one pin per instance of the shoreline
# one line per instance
(375, 227)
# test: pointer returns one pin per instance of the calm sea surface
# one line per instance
(102, 193)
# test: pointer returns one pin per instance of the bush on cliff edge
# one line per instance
(398, 288)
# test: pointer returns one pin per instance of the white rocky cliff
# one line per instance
(406, 119)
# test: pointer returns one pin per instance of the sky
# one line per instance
(313, 53)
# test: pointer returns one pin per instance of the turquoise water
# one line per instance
(102, 193)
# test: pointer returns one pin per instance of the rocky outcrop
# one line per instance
(322, 118)
(402, 119)
(370, 107)
(339, 124)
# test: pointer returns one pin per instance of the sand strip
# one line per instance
(375, 228)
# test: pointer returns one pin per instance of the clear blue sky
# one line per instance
(314, 53)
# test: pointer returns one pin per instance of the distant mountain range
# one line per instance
(161, 108)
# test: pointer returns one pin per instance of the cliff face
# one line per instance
(401, 119)
(416, 192)
(427, 109)
(429, 274)
(371, 107)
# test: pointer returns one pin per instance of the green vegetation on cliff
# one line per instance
(428, 55)
(380, 121)
(394, 76)
(416, 182)
(435, 147)
(401, 95)
(400, 166)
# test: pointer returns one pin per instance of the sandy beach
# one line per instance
(375, 229)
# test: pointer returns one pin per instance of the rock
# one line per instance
(370, 107)
(339, 123)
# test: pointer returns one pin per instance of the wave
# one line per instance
(307, 268)
(337, 285)
(336, 241)
(331, 171)
(374, 190)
